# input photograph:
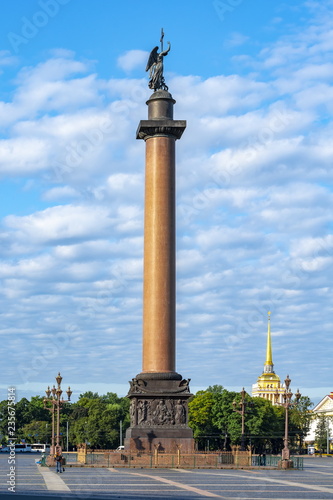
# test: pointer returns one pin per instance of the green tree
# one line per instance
(300, 421)
(201, 416)
(211, 414)
(322, 431)
(36, 410)
(22, 413)
(265, 425)
(96, 420)
(4, 421)
(35, 432)
(215, 389)
(89, 395)
(225, 419)
(102, 426)
(260, 422)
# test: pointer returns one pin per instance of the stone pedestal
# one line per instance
(159, 395)
(50, 461)
(285, 464)
(241, 457)
(159, 414)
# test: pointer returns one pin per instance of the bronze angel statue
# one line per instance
(155, 67)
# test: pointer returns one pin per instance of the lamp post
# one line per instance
(286, 396)
(242, 404)
(225, 441)
(120, 433)
(56, 405)
(46, 400)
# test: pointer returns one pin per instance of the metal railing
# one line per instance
(273, 461)
(70, 456)
(298, 462)
(165, 460)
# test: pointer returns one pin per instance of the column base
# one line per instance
(159, 414)
(285, 464)
(50, 461)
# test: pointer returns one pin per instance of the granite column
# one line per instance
(159, 394)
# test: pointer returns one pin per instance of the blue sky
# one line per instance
(254, 190)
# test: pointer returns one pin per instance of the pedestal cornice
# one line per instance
(160, 128)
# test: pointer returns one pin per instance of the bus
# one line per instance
(17, 448)
(22, 448)
(40, 448)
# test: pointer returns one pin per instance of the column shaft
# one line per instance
(159, 256)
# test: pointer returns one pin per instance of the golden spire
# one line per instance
(269, 357)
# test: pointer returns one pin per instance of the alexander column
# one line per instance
(159, 395)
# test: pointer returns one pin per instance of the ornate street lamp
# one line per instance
(243, 404)
(46, 400)
(286, 396)
(56, 405)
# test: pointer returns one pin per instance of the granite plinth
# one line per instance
(159, 414)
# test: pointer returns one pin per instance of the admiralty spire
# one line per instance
(268, 382)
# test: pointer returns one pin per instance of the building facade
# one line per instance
(323, 409)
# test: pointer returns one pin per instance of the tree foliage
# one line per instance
(92, 419)
(322, 431)
(300, 419)
(213, 419)
(95, 420)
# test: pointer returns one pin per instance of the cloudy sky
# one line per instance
(254, 190)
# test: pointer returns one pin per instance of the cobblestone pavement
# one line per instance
(31, 481)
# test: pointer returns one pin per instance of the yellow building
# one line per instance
(268, 382)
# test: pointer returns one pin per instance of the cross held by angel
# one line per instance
(155, 67)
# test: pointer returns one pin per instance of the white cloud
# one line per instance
(254, 222)
(61, 223)
(60, 192)
(23, 156)
(6, 58)
(235, 40)
(132, 59)
(50, 86)
(122, 182)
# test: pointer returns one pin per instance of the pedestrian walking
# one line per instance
(58, 459)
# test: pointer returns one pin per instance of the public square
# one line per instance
(314, 482)
(166, 180)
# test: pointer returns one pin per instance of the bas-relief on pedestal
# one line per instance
(159, 414)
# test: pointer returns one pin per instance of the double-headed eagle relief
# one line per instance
(155, 67)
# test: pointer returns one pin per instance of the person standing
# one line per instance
(58, 459)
